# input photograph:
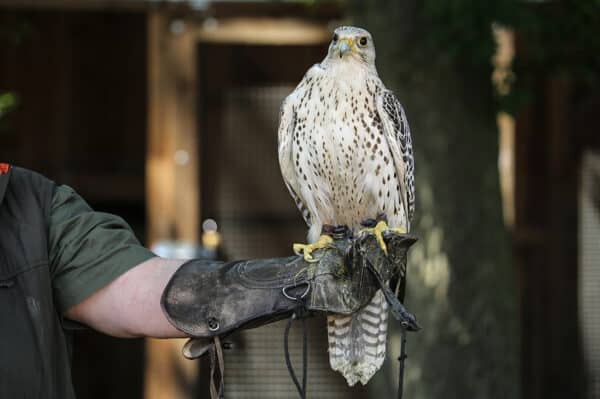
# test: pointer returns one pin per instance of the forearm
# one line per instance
(130, 305)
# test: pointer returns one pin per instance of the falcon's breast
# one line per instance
(341, 159)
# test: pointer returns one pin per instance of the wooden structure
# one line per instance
(110, 103)
(171, 174)
(541, 152)
(551, 135)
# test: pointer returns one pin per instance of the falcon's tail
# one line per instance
(357, 342)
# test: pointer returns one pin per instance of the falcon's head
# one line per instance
(351, 43)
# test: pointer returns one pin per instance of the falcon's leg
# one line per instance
(341, 231)
(377, 227)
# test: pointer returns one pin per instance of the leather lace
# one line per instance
(298, 313)
(217, 360)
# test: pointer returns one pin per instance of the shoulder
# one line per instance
(18, 174)
(4, 176)
(391, 106)
(316, 70)
(25, 186)
(314, 74)
(310, 78)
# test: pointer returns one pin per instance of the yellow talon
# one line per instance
(378, 230)
(307, 249)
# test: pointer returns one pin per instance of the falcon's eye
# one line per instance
(335, 37)
(363, 41)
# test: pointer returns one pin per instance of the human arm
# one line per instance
(129, 306)
(101, 275)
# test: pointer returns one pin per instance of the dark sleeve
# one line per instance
(88, 249)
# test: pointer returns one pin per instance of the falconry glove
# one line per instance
(206, 299)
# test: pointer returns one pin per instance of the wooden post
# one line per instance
(172, 184)
(546, 243)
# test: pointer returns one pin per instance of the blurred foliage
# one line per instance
(558, 34)
(13, 32)
(558, 37)
(436, 56)
(7, 102)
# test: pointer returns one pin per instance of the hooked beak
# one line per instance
(344, 46)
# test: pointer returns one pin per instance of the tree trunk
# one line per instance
(461, 284)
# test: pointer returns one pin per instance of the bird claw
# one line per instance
(306, 250)
(378, 232)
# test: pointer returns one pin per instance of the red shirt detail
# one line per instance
(4, 167)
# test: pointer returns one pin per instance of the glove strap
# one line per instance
(217, 360)
(401, 359)
(300, 312)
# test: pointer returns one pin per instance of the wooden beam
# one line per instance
(172, 154)
(92, 5)
(502, 79)
(264, 31)
(172, 183)
(546, 242)
(561, 269)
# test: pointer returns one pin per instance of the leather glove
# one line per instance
(206, 298)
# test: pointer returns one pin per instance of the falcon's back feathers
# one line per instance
(345, 153)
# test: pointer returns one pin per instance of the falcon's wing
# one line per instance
(397, 133)
(286, 163)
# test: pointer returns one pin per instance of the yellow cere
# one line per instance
(349, 42)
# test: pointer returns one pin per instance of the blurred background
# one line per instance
(165, 112)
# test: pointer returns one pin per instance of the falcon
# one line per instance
(345, 153)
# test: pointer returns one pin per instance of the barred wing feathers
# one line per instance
(397, 133)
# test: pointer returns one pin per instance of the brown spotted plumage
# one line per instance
(345, 153)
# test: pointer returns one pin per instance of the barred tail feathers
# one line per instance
(357, 342)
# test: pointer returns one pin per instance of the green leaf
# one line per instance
(7, 102)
